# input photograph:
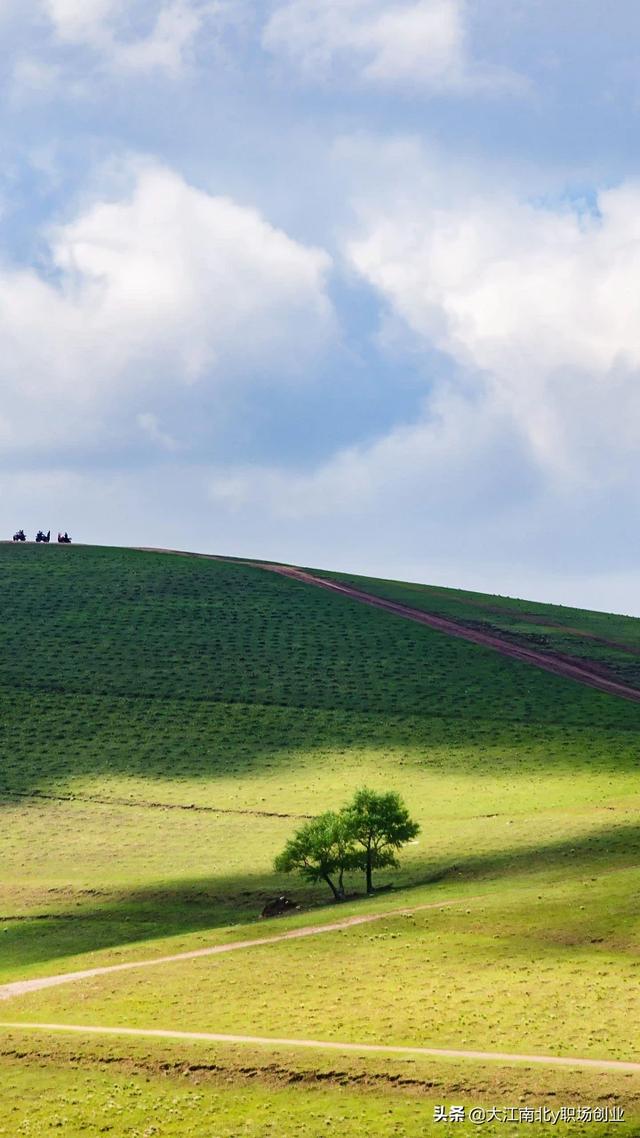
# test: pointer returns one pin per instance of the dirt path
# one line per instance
(542, 620)
(23, 987)
(552, 662)
(323, 1045)
(549, 661)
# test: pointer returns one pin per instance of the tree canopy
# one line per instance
(378, 826)
(319, 851)
(366, 834)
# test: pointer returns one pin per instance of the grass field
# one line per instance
(407, 980)
(123, 1087)
(167, 721)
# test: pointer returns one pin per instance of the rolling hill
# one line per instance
(166, 723)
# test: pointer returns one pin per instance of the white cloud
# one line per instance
(34, 77)
(422, 43)
(119, 33)
(532, 437)
(82, 21)
(428, 463)
(544, 303)
(165, 286)
(149, 423)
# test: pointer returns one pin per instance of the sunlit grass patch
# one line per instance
(139, 1088)
(536, 968)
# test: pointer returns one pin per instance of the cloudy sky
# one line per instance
(348, 283)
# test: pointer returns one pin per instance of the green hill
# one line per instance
(166, 721)
(607, 640)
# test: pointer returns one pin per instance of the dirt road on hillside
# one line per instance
(584, 673)
(23, 987)
(549, 661)
(323, 1045)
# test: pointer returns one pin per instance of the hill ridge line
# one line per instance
(548, 661)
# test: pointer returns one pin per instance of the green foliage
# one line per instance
(320, 851)
(364, 835)
(378, 825)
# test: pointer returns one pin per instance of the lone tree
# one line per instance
(377, 826)
(365, 834)
(320, 851)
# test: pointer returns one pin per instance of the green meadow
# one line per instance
(123, 1086)
(167, 722)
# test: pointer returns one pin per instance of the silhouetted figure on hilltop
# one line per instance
(45, 537)
(19, 535)
(64, 538)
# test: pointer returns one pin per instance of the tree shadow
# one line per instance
(608, 849)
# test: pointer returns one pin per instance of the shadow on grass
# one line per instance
(49, 742)
(206, 904)
(155, 665)
(170, 909)
(608, 849)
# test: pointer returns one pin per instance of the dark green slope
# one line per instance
(91, 621)
(607, 640)
(120, 660)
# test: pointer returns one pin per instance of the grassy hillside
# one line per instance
(607, 640)
(167, 721)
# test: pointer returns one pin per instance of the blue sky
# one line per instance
(353, 284)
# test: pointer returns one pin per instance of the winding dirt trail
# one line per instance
(23, 987)
(324, 1045)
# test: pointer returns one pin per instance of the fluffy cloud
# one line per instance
(119, 32)
(542, 302)
(165, 286)
(426, 466)
(535, 429)
(150, 425)
(418, 42)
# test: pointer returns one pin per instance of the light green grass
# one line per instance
(79, 864)
(131, 1089)
(489, 974)
(75, 880)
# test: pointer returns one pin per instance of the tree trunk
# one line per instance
(336, 895)
(369, 870)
